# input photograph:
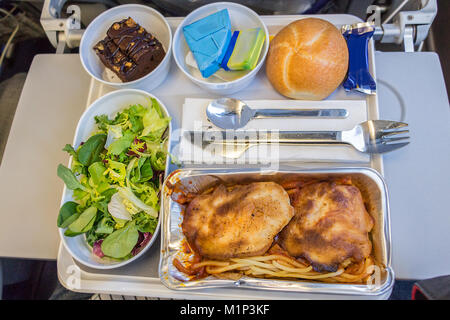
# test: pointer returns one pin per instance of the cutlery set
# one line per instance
(373, 136)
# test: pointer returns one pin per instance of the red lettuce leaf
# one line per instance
(97, 248)
(144, 238)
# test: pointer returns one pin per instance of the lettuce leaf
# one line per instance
(158, 160)
(126, 193)
(84, 223)
(97, 180)
(105, 225)
(117, 208)
(114, 133)
(145, 222)
(67, 214)
(103, 122)
(144, 239)
(120, 243)
(70, 150)
(122, 144)
(89, 152)
(116, 172)
(97, 248)
(69, 178)
(154, 122)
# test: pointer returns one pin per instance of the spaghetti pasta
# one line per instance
(281, 266)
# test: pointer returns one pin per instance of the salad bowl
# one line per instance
(77, 244)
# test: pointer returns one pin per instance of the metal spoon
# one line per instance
(229, 113)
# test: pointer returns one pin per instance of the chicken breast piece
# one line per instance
(238, 223)
(330, 225)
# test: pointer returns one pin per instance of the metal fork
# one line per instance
(373, 136)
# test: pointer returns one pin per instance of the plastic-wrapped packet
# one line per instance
(358, 76)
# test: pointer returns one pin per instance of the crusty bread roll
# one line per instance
(307, 59)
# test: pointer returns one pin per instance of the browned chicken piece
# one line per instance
(330, 225)
(238, 223)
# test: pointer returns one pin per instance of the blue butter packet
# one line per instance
(358, 76)
(229, 50)
(208, 39)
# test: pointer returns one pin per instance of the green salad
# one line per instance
(116, 176)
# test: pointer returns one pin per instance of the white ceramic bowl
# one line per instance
(109, 104)
(241, 17)
(151, 20)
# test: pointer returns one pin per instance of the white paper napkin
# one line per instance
(194, 118)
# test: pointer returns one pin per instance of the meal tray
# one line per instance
(369, 182)
(141, 278)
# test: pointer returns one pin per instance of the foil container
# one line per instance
(369, 181)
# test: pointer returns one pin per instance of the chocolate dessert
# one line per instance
(129, 50)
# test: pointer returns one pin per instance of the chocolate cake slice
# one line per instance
(129, 50)
(110, 55)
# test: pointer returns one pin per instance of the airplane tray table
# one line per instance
(141, 277)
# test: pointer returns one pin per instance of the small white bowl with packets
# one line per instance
(127, 46)
(221, 46)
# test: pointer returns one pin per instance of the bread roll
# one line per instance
(307, 59)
